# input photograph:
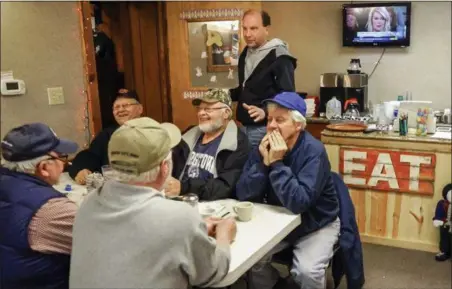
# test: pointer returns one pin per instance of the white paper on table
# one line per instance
(213, 78)
(204, 54)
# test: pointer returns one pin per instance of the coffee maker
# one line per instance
(355, 86)
(330, 86)
(344, 87)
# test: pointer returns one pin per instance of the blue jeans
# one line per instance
(311, 255)
(255, 134)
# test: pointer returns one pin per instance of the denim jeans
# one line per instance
(311, 256)
(255, 134)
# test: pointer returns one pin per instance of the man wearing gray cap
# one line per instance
(128, 235)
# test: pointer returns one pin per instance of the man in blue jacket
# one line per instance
(35, 219)
(290, 168)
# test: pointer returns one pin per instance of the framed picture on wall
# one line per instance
(214, 49)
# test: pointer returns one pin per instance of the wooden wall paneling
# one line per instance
(137, 52)
(183, 113)
(150, 50)
(128, 68)
(89, 63)
(359, 201)
(379, 201)
(163, 61)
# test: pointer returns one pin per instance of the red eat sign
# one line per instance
(387, 170)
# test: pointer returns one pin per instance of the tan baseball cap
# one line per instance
(141, 144)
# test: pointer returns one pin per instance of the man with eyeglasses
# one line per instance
(209, 159)
(125, 107)
(35, 219)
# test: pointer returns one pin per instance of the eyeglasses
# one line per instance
(209, 109)
(63, 158)
(124, 106)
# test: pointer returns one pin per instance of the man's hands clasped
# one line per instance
(272, 147)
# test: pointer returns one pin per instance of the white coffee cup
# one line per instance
(244, 211)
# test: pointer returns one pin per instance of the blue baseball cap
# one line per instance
(34, 140)
(289, 100)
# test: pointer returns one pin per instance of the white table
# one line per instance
(270, 224)
(77, 192)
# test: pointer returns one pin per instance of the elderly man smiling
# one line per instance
(125, 107)
(290, 168)
(209, 160)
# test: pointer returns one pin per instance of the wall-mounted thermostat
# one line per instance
(12, 87)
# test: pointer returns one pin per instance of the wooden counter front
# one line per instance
(395, 183)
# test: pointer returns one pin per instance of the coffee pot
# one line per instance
(351, 108)
(354, 67)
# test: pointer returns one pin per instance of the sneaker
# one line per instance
(440, 257)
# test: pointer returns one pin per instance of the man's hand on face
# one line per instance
(278, 147)
(256, 113)
(80, 178)
(172, 188)
(264, 148)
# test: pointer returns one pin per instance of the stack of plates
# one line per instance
(310, 107)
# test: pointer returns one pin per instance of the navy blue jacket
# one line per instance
(21, 196)
(349, 259)
(301, 182)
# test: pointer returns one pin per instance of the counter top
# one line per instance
(438, 137)
(317, 120)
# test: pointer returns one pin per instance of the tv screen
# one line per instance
(377, 24)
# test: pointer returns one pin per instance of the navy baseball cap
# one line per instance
(289, 100)
(34, 140)
(125, 93)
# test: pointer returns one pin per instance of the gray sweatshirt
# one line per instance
(254, 56)
(133, 237)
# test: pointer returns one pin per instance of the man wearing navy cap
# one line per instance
(290, 168)
(125, 107)
(35, 219)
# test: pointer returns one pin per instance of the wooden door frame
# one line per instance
(89, 68)
(89, 61)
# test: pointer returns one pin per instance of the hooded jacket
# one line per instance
(263, 73)
(230, 158)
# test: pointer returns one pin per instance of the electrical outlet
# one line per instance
(55, 95)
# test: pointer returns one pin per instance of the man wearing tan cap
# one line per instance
(128, 235)
(209, 160)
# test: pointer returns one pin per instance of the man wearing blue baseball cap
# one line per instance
(290, 168)
(35, 219)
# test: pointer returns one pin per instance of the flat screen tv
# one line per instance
(383, 24)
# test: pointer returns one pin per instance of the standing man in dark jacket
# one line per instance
(290, 168)
(35, 219)
(210, 158)
(125, 107)
(265, 69)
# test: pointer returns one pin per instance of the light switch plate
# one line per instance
(55, 95)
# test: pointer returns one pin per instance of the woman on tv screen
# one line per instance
(379, 20)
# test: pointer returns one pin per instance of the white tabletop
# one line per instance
(269, 225)
(76, 193)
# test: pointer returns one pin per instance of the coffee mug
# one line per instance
(244, 211)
